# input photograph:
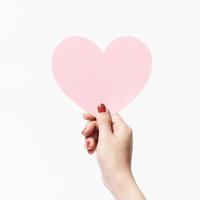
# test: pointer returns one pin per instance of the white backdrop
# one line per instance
(41, 147)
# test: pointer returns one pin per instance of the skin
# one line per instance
(111, 139)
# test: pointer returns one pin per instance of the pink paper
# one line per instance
(89, 76)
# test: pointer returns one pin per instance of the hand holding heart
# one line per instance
(115, 77)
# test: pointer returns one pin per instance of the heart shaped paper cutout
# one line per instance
(89, 76)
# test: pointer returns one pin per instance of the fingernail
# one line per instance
(83, 131)
(88, 144)
(101, 108)
(90, 151)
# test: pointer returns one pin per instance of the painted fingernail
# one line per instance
(90, 151)
(88, 144)
(83, 131)
(101, 108)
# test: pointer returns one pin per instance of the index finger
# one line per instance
(88, 116)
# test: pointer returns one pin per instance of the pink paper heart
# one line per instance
(89, 77)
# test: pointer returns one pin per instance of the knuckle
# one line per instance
(128, 130)
(105, 119)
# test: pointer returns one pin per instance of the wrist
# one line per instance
(124, 187)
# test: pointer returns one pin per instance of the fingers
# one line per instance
(88, 116)
(89, 129)
(91, 142)
(104, 121)
(91, 134)
(97, 127)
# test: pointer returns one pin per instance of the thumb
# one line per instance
(104, 120)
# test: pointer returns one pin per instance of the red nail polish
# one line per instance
(83, 131)
(88, 143)
(101, 108)
(90, 151)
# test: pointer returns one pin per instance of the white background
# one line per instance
(41, 147)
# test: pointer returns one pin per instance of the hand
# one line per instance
(111, 138)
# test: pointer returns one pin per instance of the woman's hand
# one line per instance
(111, 138)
